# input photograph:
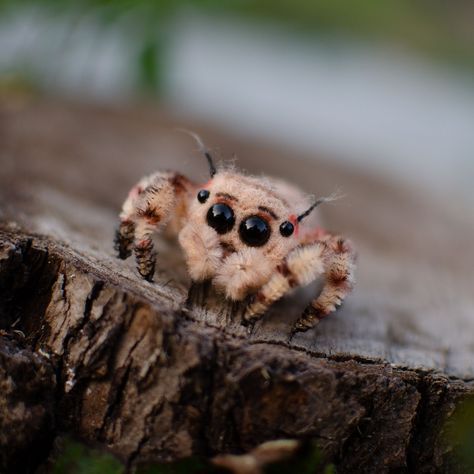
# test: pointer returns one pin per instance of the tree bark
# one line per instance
(89, 348)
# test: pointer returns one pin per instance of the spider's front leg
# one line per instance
(152, 203)
(332, 257)
(339, 266)
(302, 265)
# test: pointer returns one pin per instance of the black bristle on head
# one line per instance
(203, 150)
(212, 167)
(332, 197)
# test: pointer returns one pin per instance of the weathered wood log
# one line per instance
(150, 378)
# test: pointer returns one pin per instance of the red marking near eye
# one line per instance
(294, 220)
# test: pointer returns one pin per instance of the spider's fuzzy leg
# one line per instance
(146, 258)
(123, 242)
(276, 287)
(339, 269)
(153, 208)
(152, 203)
(301, 266)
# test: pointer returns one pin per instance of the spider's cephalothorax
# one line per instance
(244, 234)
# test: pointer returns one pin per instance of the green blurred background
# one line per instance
(439, 30)
(395, 78)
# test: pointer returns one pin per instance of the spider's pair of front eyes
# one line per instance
(253, 230)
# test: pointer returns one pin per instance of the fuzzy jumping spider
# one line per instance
(242, 233)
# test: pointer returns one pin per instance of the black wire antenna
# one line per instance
(203, 149)
(333, 197)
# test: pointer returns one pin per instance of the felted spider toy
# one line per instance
(243, 234)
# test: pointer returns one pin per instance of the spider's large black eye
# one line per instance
(203, 195)
(221, 218)
(286, 228)
(254, 231)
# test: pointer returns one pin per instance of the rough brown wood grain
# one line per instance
(89, 348)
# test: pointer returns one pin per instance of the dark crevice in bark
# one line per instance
(428, 441)
(120, 380)
(26, 279)
(417, 427)
(147, 433)
(27, 276)
(82, 326)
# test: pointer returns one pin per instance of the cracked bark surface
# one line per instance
(89, 348)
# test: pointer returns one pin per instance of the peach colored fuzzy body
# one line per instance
(264, 273)
(246, 268)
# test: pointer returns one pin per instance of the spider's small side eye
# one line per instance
(286, 228)
(254, 231)
(221, 218)
(203, 195)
